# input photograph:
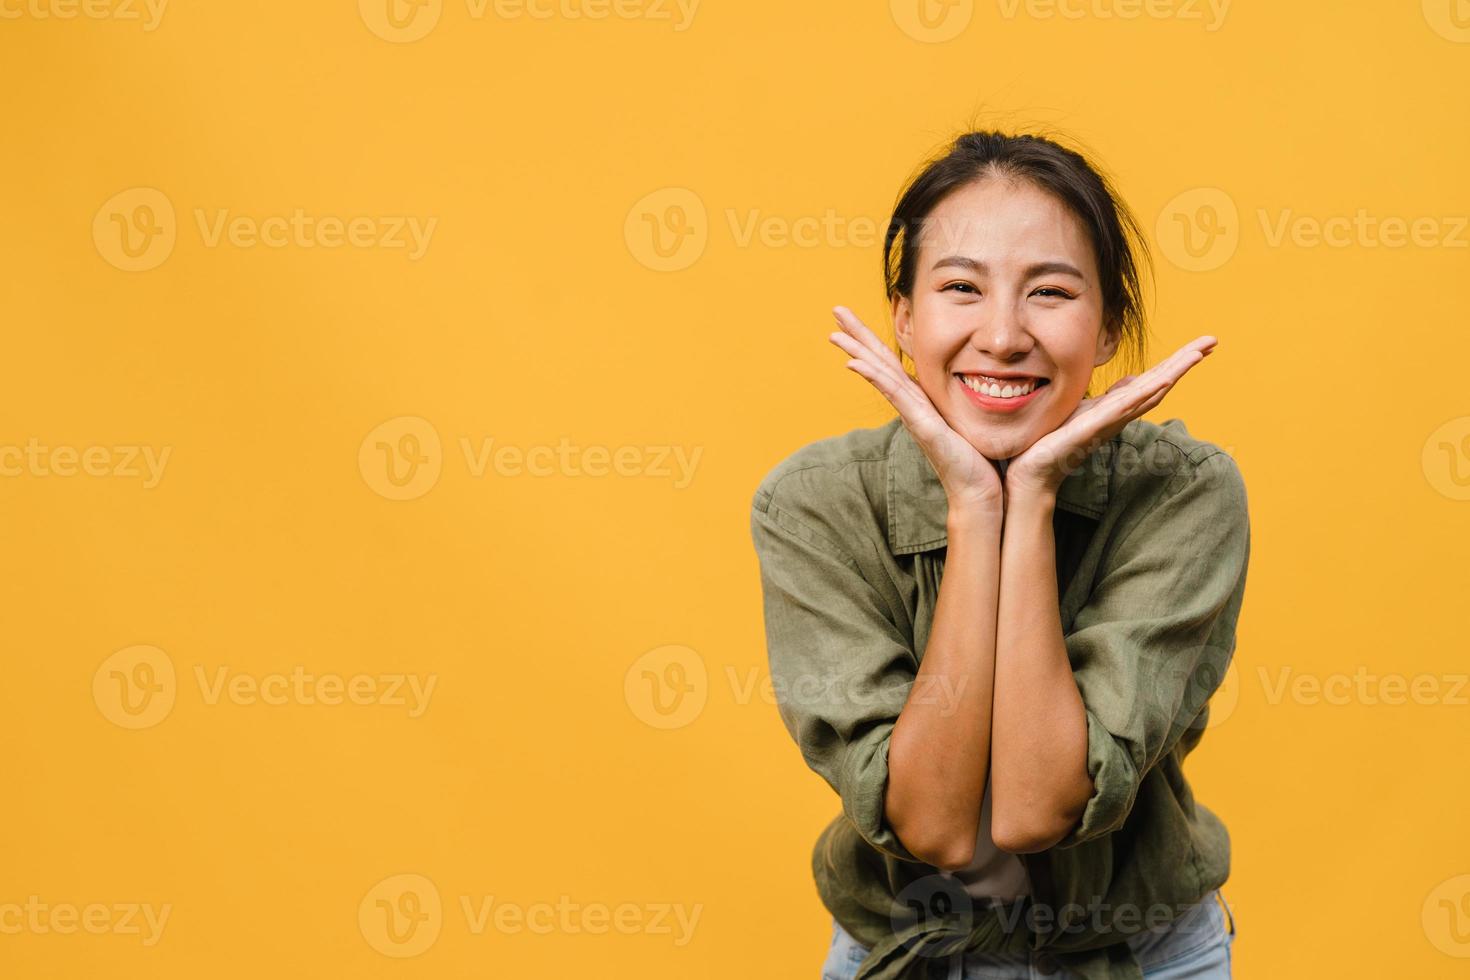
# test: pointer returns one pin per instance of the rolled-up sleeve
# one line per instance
(1155, 637)
(840, 666)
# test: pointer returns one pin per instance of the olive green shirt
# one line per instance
(1152, 542)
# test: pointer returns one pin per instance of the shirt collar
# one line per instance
(918, 507)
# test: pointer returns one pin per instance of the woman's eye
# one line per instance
(1050, 291)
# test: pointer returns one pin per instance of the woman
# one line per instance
(994, 622)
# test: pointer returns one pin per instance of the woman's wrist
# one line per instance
(1030, 499)
(986, 517)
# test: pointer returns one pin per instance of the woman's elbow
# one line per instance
(942, 850)
(1022, 838)
(945, 847)
(951, 858)
(1037, 833)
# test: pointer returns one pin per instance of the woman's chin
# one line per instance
(995, 447)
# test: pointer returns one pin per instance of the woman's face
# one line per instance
(1005, 292)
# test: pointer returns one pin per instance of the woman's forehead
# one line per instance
(992, 223)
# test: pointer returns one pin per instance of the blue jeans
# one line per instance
(1194, 946)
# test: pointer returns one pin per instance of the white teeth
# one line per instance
(997, 390)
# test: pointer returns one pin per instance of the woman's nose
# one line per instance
(1003, 335)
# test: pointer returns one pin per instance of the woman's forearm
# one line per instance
(938, 755)
(1039, 779)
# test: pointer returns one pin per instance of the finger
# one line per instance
(1119, 406)
(1150, 404)
(895, 385)
(860, 331)
(1185, 354)
(853, 348)
(853, 327)
(1183, 365)
(1119, 399)
(1184, 358)
(1131, 397)
(1161, 377)
(1147, 403)
(1088, 404)
(913, 406)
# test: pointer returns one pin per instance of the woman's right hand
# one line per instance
(970, 480)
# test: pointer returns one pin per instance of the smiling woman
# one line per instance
(1027, 271)
(1072, 572)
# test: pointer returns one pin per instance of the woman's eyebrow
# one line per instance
(1031, 271)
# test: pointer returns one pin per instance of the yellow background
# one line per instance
(544, 769)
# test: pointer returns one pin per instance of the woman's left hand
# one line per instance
(1048, 461)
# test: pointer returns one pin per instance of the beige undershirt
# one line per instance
(993, 874)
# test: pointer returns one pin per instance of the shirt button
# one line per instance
(1046, 964)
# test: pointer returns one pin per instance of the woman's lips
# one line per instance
(1001, 406)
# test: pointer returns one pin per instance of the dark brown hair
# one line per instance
(1064, 173)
